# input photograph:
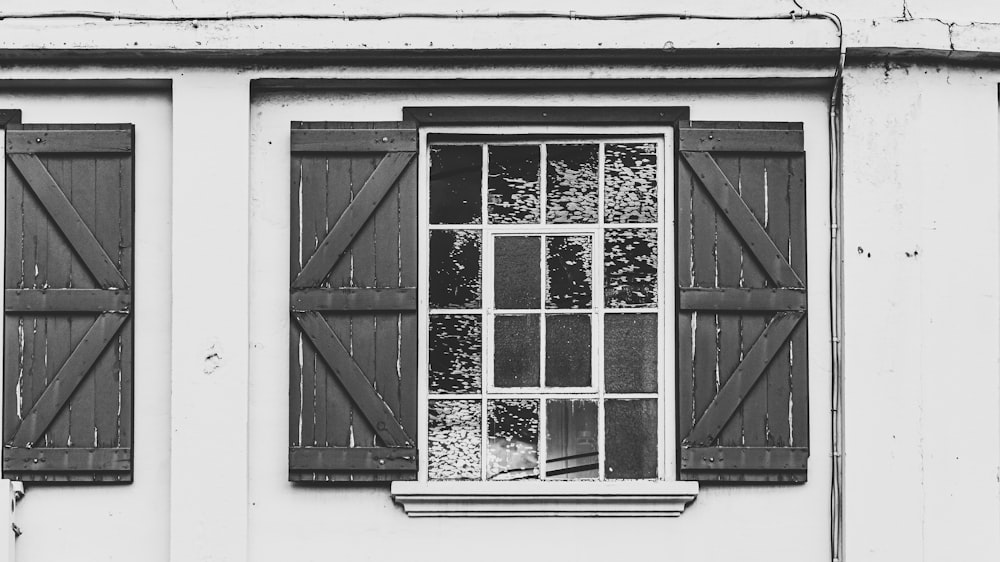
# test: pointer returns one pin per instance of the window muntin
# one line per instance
(579, 222)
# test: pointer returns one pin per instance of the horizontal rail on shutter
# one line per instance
(18, 459)
(741, 140)
(353, 140)
(66, 300)
(730, 298)
(354, 299)
(352, 458)
(744, 458)
(37, 141)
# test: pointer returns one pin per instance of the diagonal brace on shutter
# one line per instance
(746, 374)
(359, 212)
(77, 233)
(742, 219)
(67, 379)
(350, 375)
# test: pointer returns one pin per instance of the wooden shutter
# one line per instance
(67, 303)
(741, 321)
(353, 302)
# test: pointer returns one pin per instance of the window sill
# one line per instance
(544, 499)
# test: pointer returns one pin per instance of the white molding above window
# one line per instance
(544, 499)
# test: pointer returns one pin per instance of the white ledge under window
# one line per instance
(544, 499)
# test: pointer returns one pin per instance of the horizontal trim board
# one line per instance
(352, 458)
(742, 299)
(39, 141)
(19, 459)
(354, 140)
(354, 299)
(744, 458)
(741, 140)
(67, 300)
(631, 84)
(486, 115)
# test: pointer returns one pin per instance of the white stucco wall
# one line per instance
(922, 145)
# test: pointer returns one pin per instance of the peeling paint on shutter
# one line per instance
(68, 303)
(353, 346)
(741, 323)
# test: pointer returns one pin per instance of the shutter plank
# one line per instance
(314, 371)
(706, 354)
(68, 220)
(740, 140)
(754, 406)
(685, 333)
(69, 141)
(107, 228)
(66, 380)
(359, 140)
(730, 263)
(407, 186)
(777, 374)
(798, 348)
(732, 298)
(330, 299)
(68, 459)
(737, 458)
(352, 458)
(82, 407)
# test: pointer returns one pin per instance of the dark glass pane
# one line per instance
(571, 183)
(630, 267)
(630, 443)
(630, 183)
(630, 352)
(571, 439)
(454, 438)
(518, 276)
(455, 257)
(513, 438)
(516, 350)
(569, 261)
(456, 185)
(455, 353)
(567, 350)
(513, 184)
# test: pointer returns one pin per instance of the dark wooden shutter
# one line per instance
(67, 303)
(353, 302)
(741, 322)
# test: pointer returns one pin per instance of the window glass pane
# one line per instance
(630, 183)
(571, 439)
(630, 267)
(455, 353)
(513, 439)
(630, 352)
(456, 178)
(571, 183)
(455, 257)
(569, 263)
(567, 350)
(630, 438)
(513, 184)
(516, 350)
(518, 277)
(454, 436)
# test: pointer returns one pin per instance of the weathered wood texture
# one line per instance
(741, 323)
(68, 275)
(353, 340)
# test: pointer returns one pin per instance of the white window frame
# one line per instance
(664, 496)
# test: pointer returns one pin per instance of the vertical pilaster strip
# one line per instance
(210, 318)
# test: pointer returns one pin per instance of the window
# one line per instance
(545, 307)
(574, 310)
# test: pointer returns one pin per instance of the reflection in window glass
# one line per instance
(571, 439)
(456, 172)
(631, 439)
(569, 267)
(513, 184)
(513, 440)
(630, 183)
(571, 184)
(630, 267)
(455, 258)
(455, 353)
(453, 439)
